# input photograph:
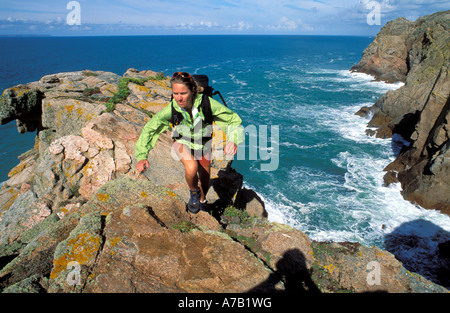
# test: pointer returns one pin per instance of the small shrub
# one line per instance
(123, 92)
(184, 226)
(243, 216)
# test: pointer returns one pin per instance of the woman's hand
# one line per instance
(142, 165)
(230, 148)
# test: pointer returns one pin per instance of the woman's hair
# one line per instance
(190, 83)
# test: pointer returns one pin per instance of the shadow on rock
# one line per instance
(290, 270)
(424, 248)
(226, 185)
(250, 201)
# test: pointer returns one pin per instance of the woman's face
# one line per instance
(182, 95)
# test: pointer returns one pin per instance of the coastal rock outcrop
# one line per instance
(386, 57)
(418, 54)
(75, 216)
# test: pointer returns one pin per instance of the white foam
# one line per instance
(355, 206)
(304, 147)
(312, 180)
(370, 210)
(383, 208)
(353, 80)
(375, 209)
(277, 212)
(368, 81)
(237, 81)
(351, 126)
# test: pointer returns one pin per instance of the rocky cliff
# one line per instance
(75, 216)
(416, 53)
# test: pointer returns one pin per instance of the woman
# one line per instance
(194, 154)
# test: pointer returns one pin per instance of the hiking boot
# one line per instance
(194, 202)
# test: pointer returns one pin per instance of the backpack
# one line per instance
(208, 91)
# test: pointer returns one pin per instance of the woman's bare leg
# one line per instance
(190, 166)
(204, 172)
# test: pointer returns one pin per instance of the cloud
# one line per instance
(55, 21)
(287, 25)
(239, 26)
(197, 26)
(207, 16)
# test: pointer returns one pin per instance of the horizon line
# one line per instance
(168, 35)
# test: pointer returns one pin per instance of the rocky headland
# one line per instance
(417, 54)
(75, 216)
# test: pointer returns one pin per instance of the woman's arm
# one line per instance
(150, 133)
(230, 122)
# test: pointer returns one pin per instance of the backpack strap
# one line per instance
(206, 108)
(176, 117)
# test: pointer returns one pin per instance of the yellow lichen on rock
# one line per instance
(17, 169)
(82, 249)
(102, 197)
(113, 242)
(170, 193)
(69, 108)
(330, 268)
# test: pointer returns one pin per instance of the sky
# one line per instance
(189, 17)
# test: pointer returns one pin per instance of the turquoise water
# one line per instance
(328, 182)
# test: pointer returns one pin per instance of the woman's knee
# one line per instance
(190, 167)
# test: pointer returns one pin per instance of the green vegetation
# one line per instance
(242, 215)
(89, 73)
(87, 92)
(184, 226)
(75, 190)
(123, 92)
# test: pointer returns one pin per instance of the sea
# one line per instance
(315, 168)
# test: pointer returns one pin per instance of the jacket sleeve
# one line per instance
(159, 123)
(228, 121)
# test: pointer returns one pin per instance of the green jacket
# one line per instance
(223, 117)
